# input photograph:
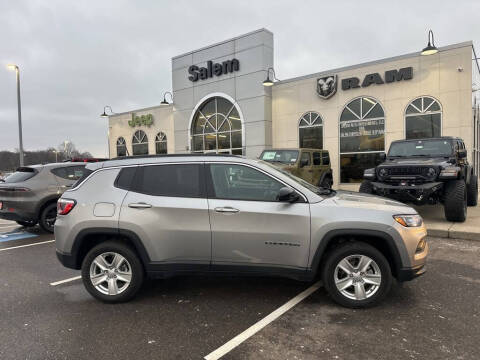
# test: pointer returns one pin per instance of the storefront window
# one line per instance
(423, 118)
(310, 131)
(161, 143)
(140, 143)
(362, 138)
(121, 147)
(217, 127)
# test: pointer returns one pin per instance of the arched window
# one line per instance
(161, 143)
(423, 118)
(140, 143)
(310, 131)
(362, 138)
(217, 127)
(121, 147)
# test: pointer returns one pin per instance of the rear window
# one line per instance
(70, 172)
(22, 174)
(281, 156)
(86, 172)
(181, 180)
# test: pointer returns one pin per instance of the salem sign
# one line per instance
(213, 69)
(375, 78)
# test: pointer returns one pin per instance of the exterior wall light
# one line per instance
(431, 48)
(164, 101)
(104, 115)
(268, 81)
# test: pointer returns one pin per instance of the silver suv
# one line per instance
(174, 215)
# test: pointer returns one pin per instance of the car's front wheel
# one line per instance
(112, 272)
(356, 275)
(455, 206)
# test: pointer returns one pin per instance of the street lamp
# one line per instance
(164, 101)
(17, 70)
(268, 81)
(104, 115)
(431, 48)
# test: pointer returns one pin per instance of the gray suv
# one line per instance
(194, 214)
(29, 195)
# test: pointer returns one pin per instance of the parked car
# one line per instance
(195, 214)
(426, 171)
(312, 165)
(29, 196)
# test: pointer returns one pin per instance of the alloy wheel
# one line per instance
(357, 277)
(110, 273)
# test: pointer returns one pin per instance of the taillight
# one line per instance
(64, 206)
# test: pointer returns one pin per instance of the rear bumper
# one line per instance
(67, 260)
(13, 216)
(407, 274)
(18, 210)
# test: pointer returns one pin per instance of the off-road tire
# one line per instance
(43, 220)
(136, 269)
(333, 257)
(455, 205)
(366, 187)
(472, 191)
(26, 223)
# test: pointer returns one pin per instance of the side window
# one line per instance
(317, 159)
(69, 172)
(305, 159)
(180, 180)
(238, 182)
(325, 158)
(125, 178)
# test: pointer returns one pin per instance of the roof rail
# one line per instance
(170, 155)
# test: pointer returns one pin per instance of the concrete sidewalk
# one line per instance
(439, 227)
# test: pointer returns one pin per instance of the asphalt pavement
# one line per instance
(433, 317)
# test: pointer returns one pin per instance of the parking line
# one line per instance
(22, 246)
(252, 330)
(65, 281)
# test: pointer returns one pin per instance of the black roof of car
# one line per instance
(427, 139)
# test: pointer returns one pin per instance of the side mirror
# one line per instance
(383, 156)
(462, 154)
(286, 194)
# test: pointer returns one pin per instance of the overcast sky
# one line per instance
(77, 56)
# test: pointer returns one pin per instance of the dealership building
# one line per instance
(225, 98)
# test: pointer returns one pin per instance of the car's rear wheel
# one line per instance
(26, 223)
(356, 275)
(455, 205)
(48, 217)
(112, 272)
(366, 187)
(472, 191)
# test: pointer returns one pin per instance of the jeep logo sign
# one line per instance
(375, 78)
(213, 69)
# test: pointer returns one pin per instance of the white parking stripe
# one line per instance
(252, 330)
(22, 246)
(7, 226)
(65, 281)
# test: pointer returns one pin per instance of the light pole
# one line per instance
(105, 115)
(17, 70)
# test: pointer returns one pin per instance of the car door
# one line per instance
(167, 209)
(249, 226)
(306, 169)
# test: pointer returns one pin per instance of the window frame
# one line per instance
(211, 191)
(161, 138)
(145, 137)
(309, 126)
(120, 144)
(421, 113)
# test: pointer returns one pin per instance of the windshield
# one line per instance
(22, 174)
(281, 156)
(421, 148)
(313, 188)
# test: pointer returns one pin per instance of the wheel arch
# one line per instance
(382, 241)
(44, 203)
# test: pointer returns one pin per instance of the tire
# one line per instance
(129, 268)
(48, 213)
(378, 271)
(455, 205)
(366, 187)
(326, 182)
(472, 191)
(26, 223)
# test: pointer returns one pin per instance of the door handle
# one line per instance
(140, 205)
(226, 209)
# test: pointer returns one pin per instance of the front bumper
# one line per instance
(407, 274)
(417, 193)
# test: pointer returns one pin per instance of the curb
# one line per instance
(454, 234)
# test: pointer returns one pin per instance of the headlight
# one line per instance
(382, 173)
(431, 172)
(409, 220)
(449, 172)
(369, 174)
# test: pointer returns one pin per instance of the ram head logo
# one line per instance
(327, 86)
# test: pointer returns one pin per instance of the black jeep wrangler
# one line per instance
(426, 171)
